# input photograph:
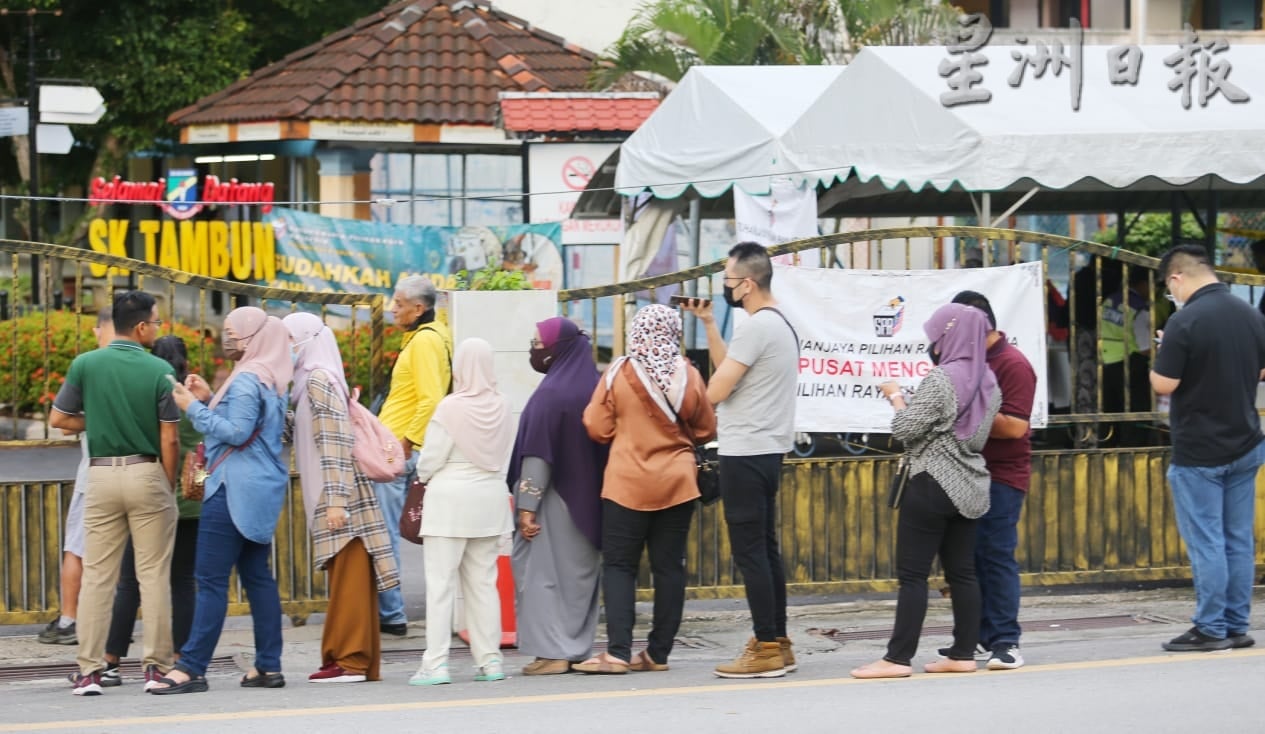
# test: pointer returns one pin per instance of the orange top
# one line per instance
(652, 464)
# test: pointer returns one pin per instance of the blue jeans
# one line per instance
(220, 548)
(391, 500)
(996, 536)
(1215, 514)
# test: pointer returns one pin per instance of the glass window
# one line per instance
(449, 189)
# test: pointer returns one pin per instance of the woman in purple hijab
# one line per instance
(555, 474)
(944, 428)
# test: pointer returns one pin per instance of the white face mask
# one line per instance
(297, 348)
(1173, 300)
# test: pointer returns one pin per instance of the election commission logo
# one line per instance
(889, 318)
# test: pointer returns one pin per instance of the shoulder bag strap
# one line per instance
(446, 350)
(787, 322)
(230, 450)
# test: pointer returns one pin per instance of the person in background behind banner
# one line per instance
(754, 389)
(1211, 360)
(556, 476)
(61, 631)
(943, 428)
(420, 379)
(349, 539)
(1008, 455)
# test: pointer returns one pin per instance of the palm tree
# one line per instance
(666, 37)
(895, 23)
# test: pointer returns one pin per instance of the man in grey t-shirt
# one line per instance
(754, 387)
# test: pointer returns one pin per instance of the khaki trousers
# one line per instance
(351, 638)
(133, 500)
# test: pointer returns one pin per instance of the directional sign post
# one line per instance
(53, 139)
(13, 121)
(70, 105)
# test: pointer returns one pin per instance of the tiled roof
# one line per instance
(419, 61)
(576, 112)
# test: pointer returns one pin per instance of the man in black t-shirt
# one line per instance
(1211, 357)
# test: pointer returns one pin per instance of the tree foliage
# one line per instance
(1151, 234)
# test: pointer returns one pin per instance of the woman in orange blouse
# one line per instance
(652, 408)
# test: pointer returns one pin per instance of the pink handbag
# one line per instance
(376, 450)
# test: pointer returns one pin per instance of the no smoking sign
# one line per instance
(577, 171)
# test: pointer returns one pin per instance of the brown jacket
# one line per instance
(652, 465)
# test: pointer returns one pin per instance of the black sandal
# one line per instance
(195, 684)
(264, 680)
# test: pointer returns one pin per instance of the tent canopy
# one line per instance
(878, 139)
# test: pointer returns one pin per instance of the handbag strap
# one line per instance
(230, 450)
(788, 325)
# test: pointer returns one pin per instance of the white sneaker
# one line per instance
(437, 677)
(493, 671)
(1005, 657)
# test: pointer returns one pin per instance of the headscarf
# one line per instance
(552, 427)
(961, 333)
(266, 346)
(477, 416)
(317, 350)
(654, 345)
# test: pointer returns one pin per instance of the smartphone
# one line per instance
(685, 300)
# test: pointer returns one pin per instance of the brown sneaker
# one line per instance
(788, 655)
(758, 660)
(547, 666)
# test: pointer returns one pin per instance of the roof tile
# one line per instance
(421, 61)
(571, 113)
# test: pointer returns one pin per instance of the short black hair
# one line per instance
(1182, 258)
(978, 300)
(753, 258)
(130, 309)
(172, 348)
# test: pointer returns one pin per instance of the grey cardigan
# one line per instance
(925, 427)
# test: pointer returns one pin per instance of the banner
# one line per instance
(861, 328)
(556, 175)
(330, 253)
(787, 213)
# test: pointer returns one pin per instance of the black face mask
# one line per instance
(541, 359)
(729, 297)
(934, 354)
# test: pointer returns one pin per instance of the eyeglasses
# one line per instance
(728, 278)
(156, 322)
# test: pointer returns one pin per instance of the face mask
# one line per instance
(233, 352)
(935, 355)
(541, 357)
(729, 297)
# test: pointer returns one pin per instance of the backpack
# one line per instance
(375, 449)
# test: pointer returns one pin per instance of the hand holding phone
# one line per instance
(689, 300)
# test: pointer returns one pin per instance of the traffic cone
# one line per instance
(505, 590)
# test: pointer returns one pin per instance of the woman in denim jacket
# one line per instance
(244, 493)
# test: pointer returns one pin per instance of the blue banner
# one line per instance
(351, 255)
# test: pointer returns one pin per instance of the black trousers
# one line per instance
(184, 592)
(748, 487)
(625, 533)
(930, 525)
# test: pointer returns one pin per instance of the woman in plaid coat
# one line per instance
(348, 532)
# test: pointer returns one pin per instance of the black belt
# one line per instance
(122, 460)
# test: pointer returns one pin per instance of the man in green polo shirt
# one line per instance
(121, 397)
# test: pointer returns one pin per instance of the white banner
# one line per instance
(786, 214)
(861, 328)
(556, 174)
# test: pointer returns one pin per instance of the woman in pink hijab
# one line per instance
(248, 483)
(463, 462)
(349, 535)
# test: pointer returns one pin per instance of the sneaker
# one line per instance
(437, 677)
(87, 685)
(110, 677)
(758, 660)
(395, 630)
(1195, 641)
(1005, 657)
(153, 677)
(54, 635)
(788, 654)
(981, 653)
(334, 673)
(493, 671)
(1240, 640)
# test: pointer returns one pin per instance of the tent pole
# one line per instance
(696, 239)
(1210, 226)
(986, 220)
(1175, 220)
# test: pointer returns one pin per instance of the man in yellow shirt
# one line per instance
(422, 376)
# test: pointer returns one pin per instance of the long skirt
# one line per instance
(351, 638)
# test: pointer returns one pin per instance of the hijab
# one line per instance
(961, 333)
(654, 345)
(315, 349)
(477, 416)
(266, 350)
(552, 427)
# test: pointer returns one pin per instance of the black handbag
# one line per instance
(900, 479)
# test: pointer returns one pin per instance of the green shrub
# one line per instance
(356, 360)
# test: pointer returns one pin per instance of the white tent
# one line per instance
(724, 126)
(881, 126)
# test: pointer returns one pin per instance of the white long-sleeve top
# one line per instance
(462, 500)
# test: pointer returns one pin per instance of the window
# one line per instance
(448, 189)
